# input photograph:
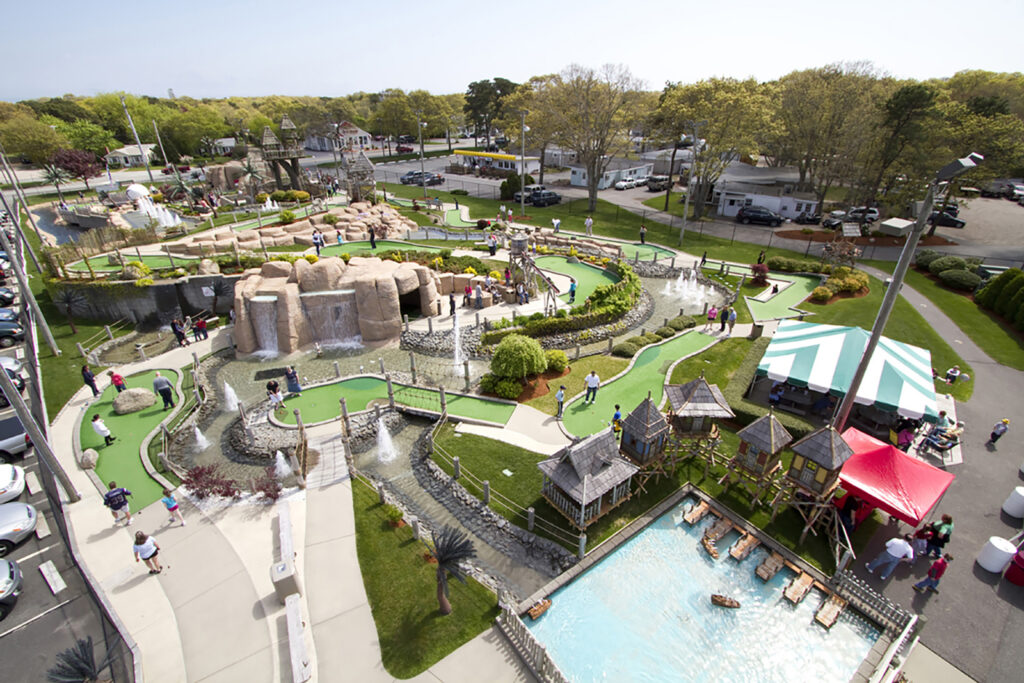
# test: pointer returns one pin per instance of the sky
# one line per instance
(219, 48)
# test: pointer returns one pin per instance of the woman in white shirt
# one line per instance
(146, 549)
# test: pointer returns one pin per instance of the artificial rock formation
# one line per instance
(88, 459)
(289, 306)
(133, 400)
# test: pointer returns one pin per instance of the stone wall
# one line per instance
(154, 304)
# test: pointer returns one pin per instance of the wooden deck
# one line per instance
(829, 611)
(697, 513)
(770, 566)
(709, 546)
(798, 588)
(718, 530)
(743, 547)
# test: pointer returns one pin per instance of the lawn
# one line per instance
(675, 203)
(995, 337)
(718, 363)
(101, 264)
(402, 591)
(588, 278)
(604, 366)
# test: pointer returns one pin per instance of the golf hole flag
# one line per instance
(825, 357)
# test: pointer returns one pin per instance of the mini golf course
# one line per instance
(359, 248)
(647, 373)
(784, 304)
(588, 278)
(321, 403)
(101, 264)
(453, 218)
(120, 461)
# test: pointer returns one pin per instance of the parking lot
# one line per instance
(990, 222)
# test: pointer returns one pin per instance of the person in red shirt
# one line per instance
(117, 381)
(935, 572)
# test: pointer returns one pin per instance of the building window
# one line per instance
(748, 201)
(732, 202)
(799, 206)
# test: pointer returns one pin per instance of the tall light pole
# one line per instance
(696, 126)
(522, 164)
(142, 152)
(423, 173)
(946, 174)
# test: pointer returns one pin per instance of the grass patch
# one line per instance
(675, 203)
(717, 363)
(605, 366)
(401, 589)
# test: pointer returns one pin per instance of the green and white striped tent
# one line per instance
(825, 357)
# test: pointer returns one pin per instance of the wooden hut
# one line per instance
(644, 433)
(758, 458)
(587, 479)
(694, 407)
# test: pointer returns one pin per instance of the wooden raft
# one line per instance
(770, 566)
(742, 547)
(829, 611)
(697, 513)
(709, 546)
(539, 609)
(718, 530)
(798, 588)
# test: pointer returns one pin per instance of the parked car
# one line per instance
(501, 142)
(10, 333)
(945, 220)
(758, 214)
(7, 296)
(17, 522)
(658, 183)
(403, 149)
(625, 184)
(807, 219)
(167, 170)
(429, 179)
(19, 384)
(545, 198)
(12, 482)
(832, 223)
(8, 314)
(407, 138)
(14, 440)
(410, 178)
(642, 181)
(530, 191)
(10, 586)
(862, 214)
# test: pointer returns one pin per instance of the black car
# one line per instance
(411, 178)
(832, 223)
(807, 218)
(501, 142)
(8, 314)
(10, 333)
(946, 220)
(19, 384)
(7, 296)
(431, 179)
(545, 198)
(407, 138)
(758, 214)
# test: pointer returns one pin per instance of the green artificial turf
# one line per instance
(101, 264)
(587, 277)
(782, 305)
(402, 591)
(362, 248)
(120, 461)
(646, 375)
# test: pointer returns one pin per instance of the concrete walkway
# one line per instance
(527, 428)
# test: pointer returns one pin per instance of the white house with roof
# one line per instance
(344, 135)
(129, 156)
(782, 199)
(616, 170)
(473, 159)
(223, 147)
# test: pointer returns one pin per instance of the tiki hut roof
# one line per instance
(596, 456)
(766, 434)
(824, 447)
(287, 127)
(698, 399)
(646, 422)
(269, 139)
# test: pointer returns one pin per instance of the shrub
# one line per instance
(821, 294)
(637, 341)
(760, 271)
(286, 217)
(268, 485)
(261, 197)
(1002, 303)
(652, 338)
(445, 254)
(924, 257)
(665, 332)
(460, 192)
(144, 282)
(536, 316)
(157, 197)
(557, 360)
(944, 263)
(518, 356)
(331, 219)
(393, 514)
(487, 381)
(508, 388)
(624, 350)
(278, 196)
(495, 275)
(682, 322)
(296, 196)
(561, 313)
(469, 270)
(987, 296)
(482, 224)
(312, 258)
(206, 480)
(792, 265)
(346, 256)
(489, 338)
(960, 279)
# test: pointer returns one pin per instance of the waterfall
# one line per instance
(333, 318)
(282, 470)
(230, 399)
(385, 447)
(263, 310)
(202, 443)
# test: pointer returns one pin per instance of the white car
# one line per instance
(625, 184)
(12, 482)
(17, 522)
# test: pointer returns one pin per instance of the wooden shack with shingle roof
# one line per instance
(278, 154)
(359, 176)
(694, 407)
(819, 458)
(758, 458)
(645, 433)
(587, 479)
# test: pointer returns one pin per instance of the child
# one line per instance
(920, 542)
(617, 420)
(276, 400)
(116, 498)
(172, 506)
(100, 428)
(117, 381)
(935, 572)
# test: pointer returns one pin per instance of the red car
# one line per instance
(403, 149)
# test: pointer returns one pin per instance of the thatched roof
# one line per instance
(766, 434)
(645, 423)
(824, 447)
(698, 399)
(287, 127)
(595, 459)
(269, 140)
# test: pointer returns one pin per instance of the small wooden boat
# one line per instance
(539, 609)
(829, 611)
(709, 546)
(724, 601)
(697, 513)
(718, 530)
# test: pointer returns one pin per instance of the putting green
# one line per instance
(782, 305)
(101, 264)
(322, 403)
(453, 217)
(120, 461)
(646, 374)
(587, 277)
(363, 247)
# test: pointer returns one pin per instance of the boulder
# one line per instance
(406, 280)
(322, 276)
(444, 283)
(88, 458)
(276, 269)
(301, 266)
(133, 400)
(208, 267)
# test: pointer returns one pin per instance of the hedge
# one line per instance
(821, 294)
(748, 411)
(793, 265)
(944, 263)
(624, 350)
(557, 360)
(665, 332)
(925, 257)
(960, 279)
(987, 296)
(508, 388)
(1002, 302)
(682, 322)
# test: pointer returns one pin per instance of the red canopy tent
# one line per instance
(888, 478)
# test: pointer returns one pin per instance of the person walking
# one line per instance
(291, 380)
(451, 304)
(593, 382)
(935, 572)
(712, 316)
(201, 326)
(163, 386)
(146, 549)
(103, 430)
(116, 498)
(373, 238)
(723, 318)
(318, 241)
(617, 420)
(704, 259)
(560, 399)
(643, 234)
(1000, 428)
(732, 319)
(171, 504)
(942, 531)
(761, 257)
(197, 334)
(116, 381)
(589, 226)
(510, 216)
(896, 549)
(479, 294)
(572, 290)
(90, 380)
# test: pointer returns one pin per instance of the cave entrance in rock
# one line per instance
(409, 304)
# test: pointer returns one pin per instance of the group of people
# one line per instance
(928, 541)
(725, 317)
(274, 393)
(145, 547)
(181, 328)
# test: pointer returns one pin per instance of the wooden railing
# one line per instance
(529, 648)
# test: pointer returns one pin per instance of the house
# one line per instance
(223, 147)
(344, 135)
(662, 159)
(130, 156)
(616, 170)
(587, 479)
(558, 156)
(499, 160)
(694, 407)
(645, 433)
(782, 199)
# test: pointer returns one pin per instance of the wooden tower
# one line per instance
(694, 407)
(360, 184)
(524, 270)
(278, 154)
(758, 459)
(645, 434)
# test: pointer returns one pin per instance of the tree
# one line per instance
(483, 103)
(251, 176)
(517, 357)
(78, 664)
(78, 163)
(72, 302)
(903, 126)
(590, 112)
(56, 176)
(394, 115)
(450, 547)
(30, 138)
(89, 136)
(529, 97)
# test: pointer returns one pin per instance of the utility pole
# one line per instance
(522, 165)
(423, 174)
(142, 152)
(696, 126)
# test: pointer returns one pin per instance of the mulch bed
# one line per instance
(539, 386)
(887, 241)
(842, 295)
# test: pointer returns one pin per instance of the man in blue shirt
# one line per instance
(572, 290)
(116, 498)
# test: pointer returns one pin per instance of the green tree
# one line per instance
(31, 138)
(56, 176)
(91, 137)
(61, 108)
(529, 97)
(990, 292)
(517, 356)
(72, 303)
(394, 115)
(903, 127)
(1002, 302)
(483, 103)
(450, 547)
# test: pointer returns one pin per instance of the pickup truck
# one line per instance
(14, 440)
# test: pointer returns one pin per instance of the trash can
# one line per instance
(996, 554)
(756, 330)
(1014, 503)
(1015, 572)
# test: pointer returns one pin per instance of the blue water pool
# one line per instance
(644, 614)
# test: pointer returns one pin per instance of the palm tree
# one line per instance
(78, 664)
(73, 302)
(220, 288)
(55, 175)
(450, 547)
(251, 176)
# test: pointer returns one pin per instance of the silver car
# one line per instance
(17, 522)
(12, 482)
(10, 586)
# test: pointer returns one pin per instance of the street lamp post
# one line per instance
(423, 174)
(946, 174)
(522, 165)
(696, 125)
